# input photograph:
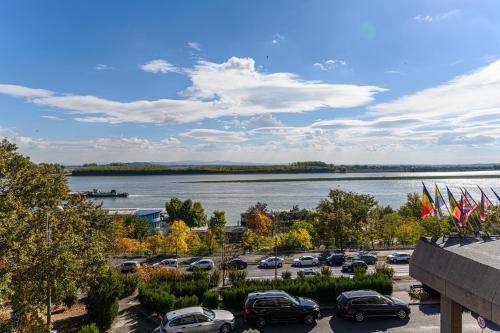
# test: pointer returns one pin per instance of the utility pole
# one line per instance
(49, 280)
(223, 261)
(275, 246)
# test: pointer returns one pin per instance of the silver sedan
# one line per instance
(197, 319)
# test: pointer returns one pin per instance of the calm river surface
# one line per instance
(234, 198)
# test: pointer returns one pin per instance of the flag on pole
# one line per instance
(438, 203)
(496, 195)
(485, 203)
(456, 210)
(468, 206)
(427, 203)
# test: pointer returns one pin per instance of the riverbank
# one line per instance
(338, 179)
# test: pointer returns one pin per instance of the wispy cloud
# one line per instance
(392, 71)
(213, 135)
(329, 64)
(158, 66)
(194, 45)
(231, 88)
(277, 38)
(263, 120)
(52, 117)
(103, 67)
(436, 17)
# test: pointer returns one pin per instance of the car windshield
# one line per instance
(294, 299)
(387, 299)
(209, 313)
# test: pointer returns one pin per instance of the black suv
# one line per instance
(263, 307)
(235, 263)
(350, 266)
(370, 259)
(336, 259)
(359, 304)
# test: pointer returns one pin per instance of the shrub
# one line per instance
(102, 300)
(360, 270)
(210, 299)
(129, 283)
(156, 298)
(70, 299)
(384, 269)
(185, 301)
(286, 275)
(92, 328)
(215, 279)
(301, 275)
(237, 278)
(326, 271)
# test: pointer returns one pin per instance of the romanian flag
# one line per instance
(427, 204)
(455, 207)
(468, 207)
(438, 204)
(485, 203)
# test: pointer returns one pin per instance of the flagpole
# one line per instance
(477, 206)
(491, 203)
(472, 227)
(495, 193)
(449, 212)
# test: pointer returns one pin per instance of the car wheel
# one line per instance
(226, 328)
(402, 314)
(280, 265)
(299, 264)
(359, 317)
(260, 322)
(309, 319)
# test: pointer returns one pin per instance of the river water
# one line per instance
(235, 198)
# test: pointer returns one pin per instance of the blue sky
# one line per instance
(253, 81)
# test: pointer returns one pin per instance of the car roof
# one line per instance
(181, 312)
(130, 262)
(266, 293)
(406, 253)
(359, 293)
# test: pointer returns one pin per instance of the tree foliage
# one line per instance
(217, 224)
(81, 238)
(191, 213)
(178, 237)
(139, 228)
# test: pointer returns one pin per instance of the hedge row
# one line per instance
(324, 289)
(158, 299)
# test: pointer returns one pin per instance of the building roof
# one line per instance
(142, 212)
(132, 211)
(466, 270)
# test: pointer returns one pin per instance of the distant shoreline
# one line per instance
(127, 170)
(338, 179)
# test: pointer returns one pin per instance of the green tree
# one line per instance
(217, 224)
(81, 238)
(191, 213)
(178, 238)
(302, 224)
(343, 216)
(139, 227)
(412, 207)
(298, 238)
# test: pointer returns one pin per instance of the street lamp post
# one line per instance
(49, 282)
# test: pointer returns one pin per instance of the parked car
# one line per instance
(370, 259)
(323, 256)
(349, 266)
(235, 263)
(206, 264)
(129, 266)
(172, 263)
(264, 307)
(309, 271)
(271, 262)
(398, 257)
(336, 259)
(359, 304)
(305, 261)
(197, 319)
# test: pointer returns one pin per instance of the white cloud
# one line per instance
(263, 120)
(194, 45)
(158, 66)
(329, 64)
(103, 67)
(392, 71)
(437, 17)
(20, 91)
(52, 117)
(277, 38)
(213, 135)
(233, 88)
(171, 141)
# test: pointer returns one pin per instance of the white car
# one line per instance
(166, 263)
(197, 319)
(309, 271)
(130, 266)
(306, 261)
(272, 262)
(206, 264)
(397, 257)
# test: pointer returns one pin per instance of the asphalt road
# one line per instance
(424, 318)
